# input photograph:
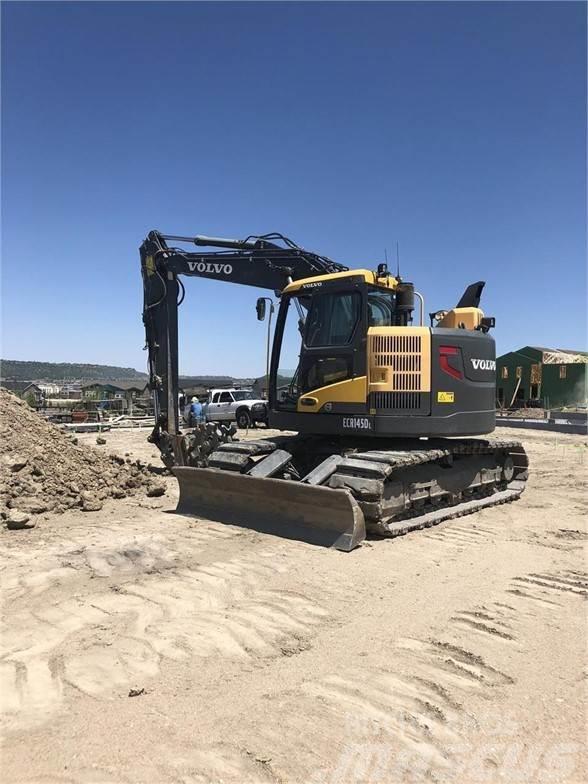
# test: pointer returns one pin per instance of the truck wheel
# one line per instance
(243, 419)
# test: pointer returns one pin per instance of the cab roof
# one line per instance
(370, 278)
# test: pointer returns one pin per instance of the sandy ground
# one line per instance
(452, 654)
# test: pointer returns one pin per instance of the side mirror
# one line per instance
(260, 308)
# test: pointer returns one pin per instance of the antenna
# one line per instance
(397, 261)
(386, 255)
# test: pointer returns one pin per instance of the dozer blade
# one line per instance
(318, 515)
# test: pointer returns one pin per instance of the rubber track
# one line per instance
(417, 517)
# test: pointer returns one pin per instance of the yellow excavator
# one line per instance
(378, 412)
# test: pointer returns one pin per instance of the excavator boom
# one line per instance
(270, 261)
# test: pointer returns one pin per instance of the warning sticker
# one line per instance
(445, 397)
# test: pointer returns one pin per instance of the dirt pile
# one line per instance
(524, 413)
(43, 470)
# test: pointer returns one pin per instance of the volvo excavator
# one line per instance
(381, 418)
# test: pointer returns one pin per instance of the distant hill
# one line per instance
(214, 381)
(15, 370)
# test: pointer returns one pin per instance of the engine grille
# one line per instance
(397, 401)
(400, 369)
(401, 353)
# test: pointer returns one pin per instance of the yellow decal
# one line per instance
(150, 265)
(445, 397)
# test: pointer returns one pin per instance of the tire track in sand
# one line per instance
(220, 762)
(414, 715)
(550, 588)
(359, 722)
(146, 611)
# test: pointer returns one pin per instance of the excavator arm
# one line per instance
(269, 261)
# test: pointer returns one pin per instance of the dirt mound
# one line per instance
(42, 469)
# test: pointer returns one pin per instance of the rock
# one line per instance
(90, 502)
(31, 504)
(16, 520)
(118, 492)
(156, 489)
(18, 463)
(100, 440)
(38, 507)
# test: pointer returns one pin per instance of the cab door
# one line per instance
(226, 406)
(218, 408)
(334, 345)
(212, 409)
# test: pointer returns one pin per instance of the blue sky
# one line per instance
(457, 129)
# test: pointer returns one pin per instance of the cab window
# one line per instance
(322, 371)
(215, 397)
(226, 397)
(332, 319)
(381, 305)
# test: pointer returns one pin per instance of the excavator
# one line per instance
(381, 418)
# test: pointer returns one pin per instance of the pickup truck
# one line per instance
(235, 405)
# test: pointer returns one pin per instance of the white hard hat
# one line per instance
(194, 399)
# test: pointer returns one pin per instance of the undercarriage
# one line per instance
(334, 491)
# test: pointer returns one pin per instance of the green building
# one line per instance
(547, 377)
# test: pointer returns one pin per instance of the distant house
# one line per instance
(550, 377)
(49, 390)
(127, 393)
(70, 390)
(16, 387)
(27, 390)
(33, 394)
(99, 390)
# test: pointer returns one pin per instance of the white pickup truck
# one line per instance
(235, 405)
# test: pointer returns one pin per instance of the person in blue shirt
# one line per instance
(196, 412)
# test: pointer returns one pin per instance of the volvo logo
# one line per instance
(484, 364)
(211, 268)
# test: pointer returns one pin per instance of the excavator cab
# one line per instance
(348, 358)
(331, 318)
